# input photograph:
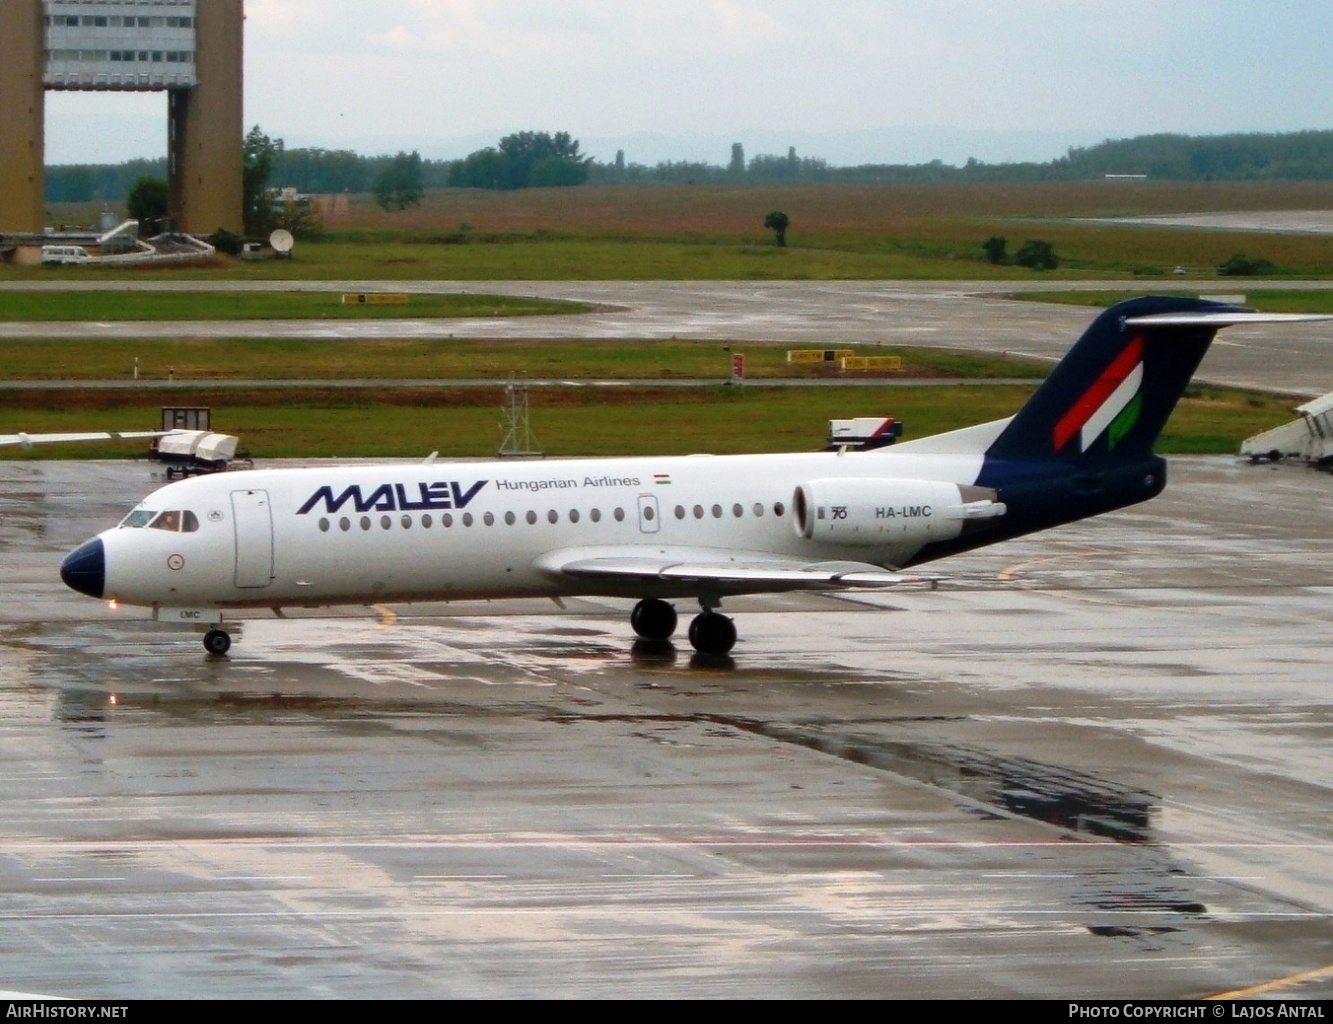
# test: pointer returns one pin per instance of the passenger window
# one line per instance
(778, 509)
(737, 510)
(344, 524)
(407, 522)
(531, 518)
(446, 520)
(323, 526)
(488, 519)
(717, 511)
(758, 508)
(573, 515)
(620, 515)
(698, 511)
(510, 519)
(680, 511)
(385, 522)
(553, 516)
(467, 518)
(596, 515)
(365, 522)
(426, 522)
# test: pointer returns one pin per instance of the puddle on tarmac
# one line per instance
(1058, 796)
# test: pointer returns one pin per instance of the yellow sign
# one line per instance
(871, 363)
(817, 355)
(375, 299)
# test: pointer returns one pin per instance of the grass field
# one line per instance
(716, 232)
(1265, 301)
(138, 305)
(567, 422)
(295, 359)
(664, 233)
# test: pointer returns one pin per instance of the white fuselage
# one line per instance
(460, 530)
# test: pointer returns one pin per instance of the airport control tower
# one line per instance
(190, 49)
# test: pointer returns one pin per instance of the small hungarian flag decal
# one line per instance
(661, 478)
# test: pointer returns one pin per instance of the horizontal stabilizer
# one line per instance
(1219, 320)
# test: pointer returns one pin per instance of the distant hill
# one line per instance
(1244, 157)
(1306, 155)
(1241, 157)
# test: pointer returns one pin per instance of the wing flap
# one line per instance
(740, 572)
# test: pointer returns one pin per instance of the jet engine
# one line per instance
(879, 512)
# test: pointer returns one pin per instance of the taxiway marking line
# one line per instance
(264, 878)
(76, 881)
(1273, 986)
(1009, 577)
(387, 618)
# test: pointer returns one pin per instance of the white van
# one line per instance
(65, 254)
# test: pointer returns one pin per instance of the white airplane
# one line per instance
(660, 529)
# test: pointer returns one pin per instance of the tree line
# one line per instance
(542, 159)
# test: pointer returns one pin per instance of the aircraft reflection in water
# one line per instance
(700, 528)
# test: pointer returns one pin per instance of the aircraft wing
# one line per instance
(669, 572)
(28, 440)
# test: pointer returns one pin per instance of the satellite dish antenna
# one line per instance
(282, 241)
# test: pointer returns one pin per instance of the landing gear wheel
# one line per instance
(217, 642)
(712, 633)
(653, 619)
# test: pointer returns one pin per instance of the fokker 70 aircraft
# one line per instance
(660, 529)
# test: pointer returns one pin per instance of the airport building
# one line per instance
(190, 49)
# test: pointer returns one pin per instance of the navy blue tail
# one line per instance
(1109, 398)
(1082, 444)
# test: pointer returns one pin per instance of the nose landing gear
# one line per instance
(217, 642)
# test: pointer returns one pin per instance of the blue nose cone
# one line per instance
(84, 569)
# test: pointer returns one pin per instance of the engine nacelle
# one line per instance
(875, 513)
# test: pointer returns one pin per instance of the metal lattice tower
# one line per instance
(518, 442)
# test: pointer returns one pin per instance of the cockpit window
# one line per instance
(173, 522)
(169, 521)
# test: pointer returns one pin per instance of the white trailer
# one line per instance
(1309, 438)
(189, 452)
(863, 433)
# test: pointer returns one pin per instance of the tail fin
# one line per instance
(1082, 445)
(1111, 395)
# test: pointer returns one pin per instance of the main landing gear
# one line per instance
(217, 642)
(710, 632)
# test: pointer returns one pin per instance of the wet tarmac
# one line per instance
(1272, 222)
(1094, 763)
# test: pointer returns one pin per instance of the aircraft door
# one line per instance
(252, 518)
(650, 519)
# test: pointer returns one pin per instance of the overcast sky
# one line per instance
(854, 81)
